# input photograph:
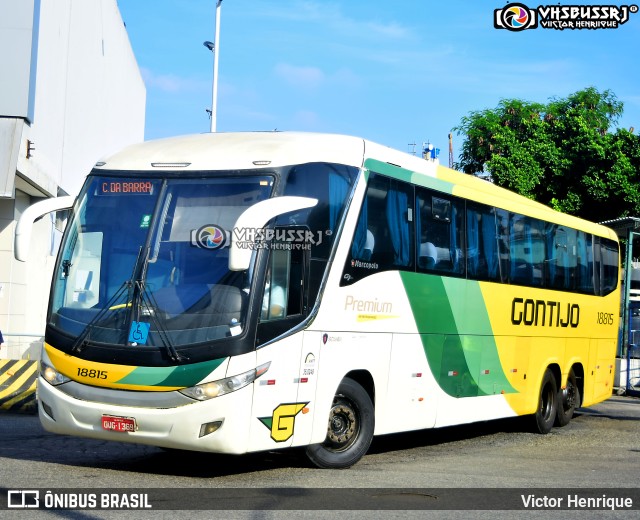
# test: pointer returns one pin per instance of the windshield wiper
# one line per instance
(82, 339)
(142, 299)
(138, 297)
(147, 300)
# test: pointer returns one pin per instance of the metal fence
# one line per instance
(633, 370)
(21, 346)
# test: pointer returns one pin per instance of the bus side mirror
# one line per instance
(29, 216)
(256, 217)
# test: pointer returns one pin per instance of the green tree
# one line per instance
(563, 154)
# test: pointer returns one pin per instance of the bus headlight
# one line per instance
(52, 376)
(227, 385)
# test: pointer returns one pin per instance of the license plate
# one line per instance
(118, 424)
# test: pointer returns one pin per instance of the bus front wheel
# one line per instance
(568, 400)
(545, 415)
(350, 429)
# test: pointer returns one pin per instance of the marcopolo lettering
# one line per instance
(544, 313)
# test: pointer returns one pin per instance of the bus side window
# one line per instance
(527, 243)
(584, 260)
(440, 226)
(487, 243)
(562, 255)
(608, 265)
(283, 293)
(383, 238)
(482, 257)
(502, 239)
(274, 302)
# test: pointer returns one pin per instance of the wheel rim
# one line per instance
(546, 402)
(569, 397)
(344, 425)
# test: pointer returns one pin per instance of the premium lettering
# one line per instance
(366, 305)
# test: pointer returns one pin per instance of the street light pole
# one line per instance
(216, 54)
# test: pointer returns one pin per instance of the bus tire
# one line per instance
(350, 429)
(568, 400)
(545, 415)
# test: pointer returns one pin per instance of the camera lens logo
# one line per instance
(23, 499)
(515, 17)
(209, 237)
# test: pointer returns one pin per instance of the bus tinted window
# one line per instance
(483, 252)
(585, 279)
(330, 184)
(454, 237)
(513, 248)
(609, 266)
(560, 244)
(527, 251)
(440, 228)
(383, 239)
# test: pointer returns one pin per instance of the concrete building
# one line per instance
(70, 93)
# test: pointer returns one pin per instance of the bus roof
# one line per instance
(237, 151)
(250, 150)
(474, 188)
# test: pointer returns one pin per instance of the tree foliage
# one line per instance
(563, 154)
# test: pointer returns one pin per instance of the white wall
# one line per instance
(90, 97)
(17, 56)
(89, 102)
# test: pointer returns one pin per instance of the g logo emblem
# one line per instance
(282, 422)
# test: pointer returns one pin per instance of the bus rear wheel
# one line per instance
(568, 401)
(545, 415)
(350, 429)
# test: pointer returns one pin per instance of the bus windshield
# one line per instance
(144, 262)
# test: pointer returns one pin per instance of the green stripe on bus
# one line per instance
(180, 376)
(464, 365)
(481, 347)
(396, 172)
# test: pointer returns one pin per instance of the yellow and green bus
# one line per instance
(239, 292)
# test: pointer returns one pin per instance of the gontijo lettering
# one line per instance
(543, 313)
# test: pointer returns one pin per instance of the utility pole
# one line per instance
(215, 48)
(450, 150)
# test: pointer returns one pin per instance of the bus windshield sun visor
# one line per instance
(256, 217)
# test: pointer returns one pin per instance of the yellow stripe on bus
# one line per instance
(96, 374)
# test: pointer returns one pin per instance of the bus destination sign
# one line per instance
(126, 188)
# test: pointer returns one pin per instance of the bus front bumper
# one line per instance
(219, 425)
